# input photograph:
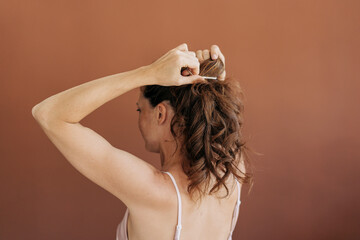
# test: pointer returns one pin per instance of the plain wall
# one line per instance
(298, 62)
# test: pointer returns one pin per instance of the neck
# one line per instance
(170, 161)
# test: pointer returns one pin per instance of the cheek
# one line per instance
(146, 128)
(142, 124)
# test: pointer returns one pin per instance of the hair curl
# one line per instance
(209, 119)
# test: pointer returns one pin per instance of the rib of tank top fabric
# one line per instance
(178, 226)
(236, 212)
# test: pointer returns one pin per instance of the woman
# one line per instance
(177, 107)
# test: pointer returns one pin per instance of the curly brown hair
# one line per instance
(208, 118)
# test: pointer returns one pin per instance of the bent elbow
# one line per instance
(37, 113)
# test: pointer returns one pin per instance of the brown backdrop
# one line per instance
(298, 62)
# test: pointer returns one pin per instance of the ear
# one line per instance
(161, 113)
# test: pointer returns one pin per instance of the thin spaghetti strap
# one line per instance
(236, 211)
(238, 186)
(178, 226)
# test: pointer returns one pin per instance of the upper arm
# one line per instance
(126, 176)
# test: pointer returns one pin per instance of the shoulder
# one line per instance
(160, 195)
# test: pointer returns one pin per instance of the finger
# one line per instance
(182, 47)
(221, 56)
(191, 53)
(222, 76)
(199, 55)
(206, 54)
(192, 63)
(215, 50)
(186, 72)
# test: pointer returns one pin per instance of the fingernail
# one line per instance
(214, 56)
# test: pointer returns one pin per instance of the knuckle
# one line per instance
(173, 50)
(177, 52)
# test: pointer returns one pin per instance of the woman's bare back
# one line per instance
(211, 220)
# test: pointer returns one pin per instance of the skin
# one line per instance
(154, 125)
(205, 54)
(94, 157)
(154, 122)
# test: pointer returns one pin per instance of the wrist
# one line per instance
(147, 75)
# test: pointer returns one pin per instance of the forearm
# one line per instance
(75, 103)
